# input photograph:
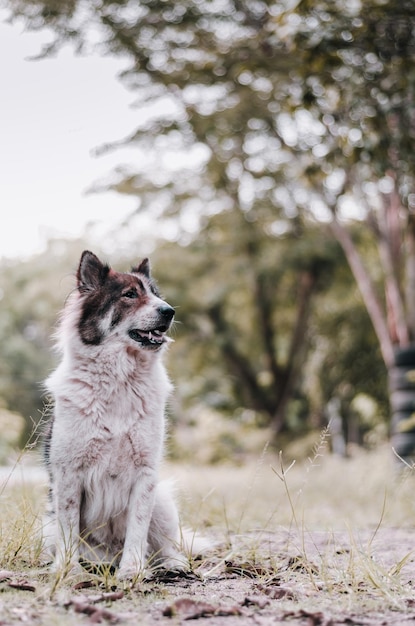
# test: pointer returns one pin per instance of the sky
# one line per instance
(54, 113)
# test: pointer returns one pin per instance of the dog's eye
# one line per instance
(131, 293)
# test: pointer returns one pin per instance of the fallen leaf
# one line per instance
(96, 614)
(85, 584)
(87, 605)
(168, 576)
(275, 592)
(248, 570)
(227, 611)
(313, 619)
(187, 609)
(23, 585)
(110, 596)
(299, 563)
(258, 601)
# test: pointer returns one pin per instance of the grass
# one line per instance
(327, 493)
(303, 537)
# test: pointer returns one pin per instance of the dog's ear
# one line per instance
(91, 272)
(143, 268)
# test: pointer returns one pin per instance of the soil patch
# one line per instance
(261, 579)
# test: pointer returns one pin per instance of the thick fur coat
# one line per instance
(105, 439)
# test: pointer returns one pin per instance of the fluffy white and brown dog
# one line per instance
(105, 440)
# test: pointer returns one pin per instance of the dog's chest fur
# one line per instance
(109, 413)
(108, 429)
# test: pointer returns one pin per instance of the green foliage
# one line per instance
(245, 302)
(227, 358)
(32, 293)
(225, 368)
(360, 66)
(262, 123)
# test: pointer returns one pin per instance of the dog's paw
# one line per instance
(176, 563)
(133, 563)
(66, 568)
(130, 573)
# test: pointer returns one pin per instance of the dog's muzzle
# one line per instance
(153, 338)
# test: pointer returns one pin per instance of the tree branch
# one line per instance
(238, 363)
(307, 283)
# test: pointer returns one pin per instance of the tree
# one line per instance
(228, 358)
(360, 89)
(246, 302)
(331, 82)
(275, 116)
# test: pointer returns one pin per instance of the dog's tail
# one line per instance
(194, 545)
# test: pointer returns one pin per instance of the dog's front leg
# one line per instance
(140, 509)
(67, 500)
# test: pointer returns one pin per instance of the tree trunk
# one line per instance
(246, 386)
(390, 244)
(410, 276)
(367, 290)
(307, 283)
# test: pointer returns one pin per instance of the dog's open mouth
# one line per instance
(153, 339)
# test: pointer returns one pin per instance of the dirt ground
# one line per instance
(275, 561)
(257, 579)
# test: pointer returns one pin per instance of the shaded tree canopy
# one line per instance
(299, 108)
(243, 345)
(283, 120)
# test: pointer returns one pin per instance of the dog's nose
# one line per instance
(167, 312)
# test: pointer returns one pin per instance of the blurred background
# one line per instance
(262, 154)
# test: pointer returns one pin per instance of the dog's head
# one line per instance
(123, 305)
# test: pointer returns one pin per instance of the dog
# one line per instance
(104, 443)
